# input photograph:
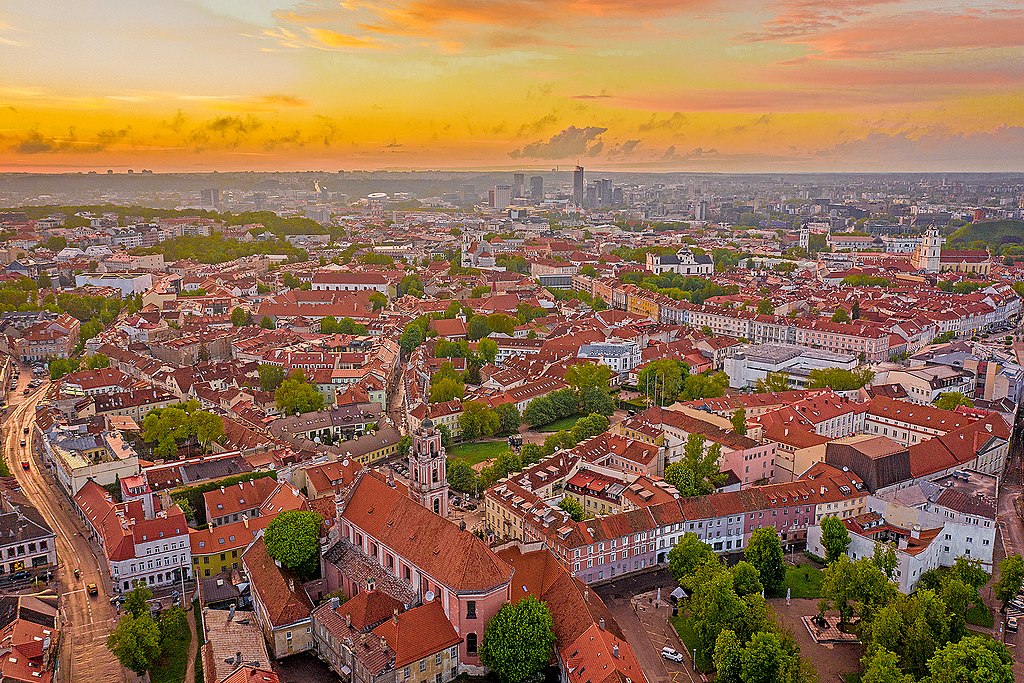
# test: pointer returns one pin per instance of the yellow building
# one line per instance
(218, 549)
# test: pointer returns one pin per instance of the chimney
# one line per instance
(394, 617)
(915, 531)
(348, 620)
(586, 594)
(238, 658)
(615, 650)
(902, 543)
(231, 613)
(384, 644)
(600, 623)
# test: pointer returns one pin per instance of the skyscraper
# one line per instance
(518, 185)
(537, 189)
(502, 196)
(577, 186)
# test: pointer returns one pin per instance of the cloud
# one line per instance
(538, 126)
(571, 142)
(280, 100)
(673, 122)
(601, 96)
(448, 24)
(931, 148)
(846, 29)
(34, 142)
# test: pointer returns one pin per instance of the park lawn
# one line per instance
(684, 627)
(980, 615)
(170, 668)
(804, 581)
(559, 425)
(476, 452)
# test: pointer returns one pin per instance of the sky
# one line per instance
(659, 85)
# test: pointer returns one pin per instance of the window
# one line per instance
(471, 609)
(405, 673)
(437, 659)
(471, 643)
(423, 665)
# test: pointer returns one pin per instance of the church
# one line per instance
(930, 257)
(398, 540)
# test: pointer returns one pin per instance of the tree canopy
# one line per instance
(293, 539)
(518, 640)
(179, 424)
(296, 395)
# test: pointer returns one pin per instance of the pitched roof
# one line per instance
(282, 595)
(453, 557)
(418, 633)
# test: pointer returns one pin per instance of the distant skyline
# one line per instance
(641, 85)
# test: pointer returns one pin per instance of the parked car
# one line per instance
(91, 589)
(24, 464)
(1011, 624)
(24, 430)
(671, 654)
(23, 443)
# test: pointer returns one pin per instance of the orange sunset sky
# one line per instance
(714, 85)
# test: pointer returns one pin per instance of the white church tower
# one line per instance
(931, 251)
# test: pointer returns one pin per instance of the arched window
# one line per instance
(471, 643)
(437, 506)
(433, 476)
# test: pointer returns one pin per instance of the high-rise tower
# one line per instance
(577, 186)
(428, 476)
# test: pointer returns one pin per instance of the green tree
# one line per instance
(662, 380)
(136, 602)
(728, 650)
(773, 382)
(97, 361)
(378, 301)
(975, 659)
(62, 366)
(950, 400)
(573, 508)
(686, 555)
(839, 379)
(446, 389)
(531, 453)
(885, 558)
(855, 588)
(596, 400)
(508, 418)
(412, 336)
(462, 476)
(746, 580)
(834, 537)
(477, 327)
(1011, 578)
(765, 307)
(271, 376)
(739, 421)
(206, 427)
(293, 539)
(582, 376)
(714, 606)
(518, 640)
(539, 412)
(840, 316)
(296, 396)
(699, 472)
(488, 349)
(855, 310)
(135, 642)
(763, 660)
(764, 551)
(882, 666)
(240, 317)
(267, 323)
(707, 385)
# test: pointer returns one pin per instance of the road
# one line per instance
(86, 620)
(645, 625)
(1011, 534)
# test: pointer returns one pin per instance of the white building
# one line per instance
(130, 284)
(746, 367)
(621, 357)
(683, 262)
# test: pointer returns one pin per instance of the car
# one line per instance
(91, 589)
(24, 430)
(1011, 624)
(24, 464)
(671, 654)
(26, 392)
(23, 443)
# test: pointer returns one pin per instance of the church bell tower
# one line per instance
(428, 475)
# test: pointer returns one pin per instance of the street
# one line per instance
(86, 620)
